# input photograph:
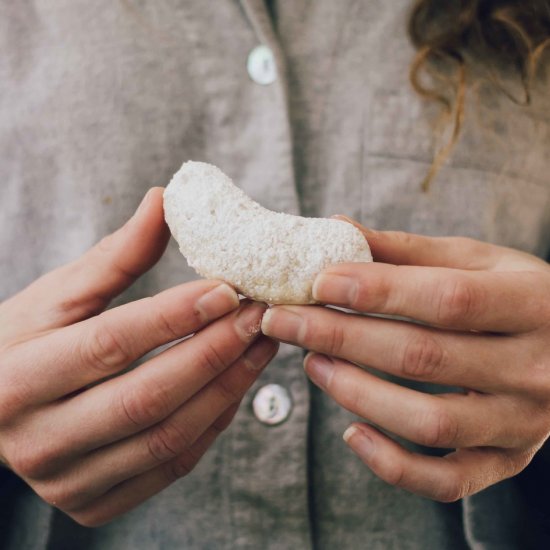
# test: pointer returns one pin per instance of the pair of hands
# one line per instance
(95, 440)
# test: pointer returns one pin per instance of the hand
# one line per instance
(89, 436)
(487, 311)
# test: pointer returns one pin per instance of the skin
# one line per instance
(486, 328)
(90, 436)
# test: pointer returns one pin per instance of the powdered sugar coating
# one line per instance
(267, 256)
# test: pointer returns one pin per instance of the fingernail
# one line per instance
(319, 368)
(143, 203)
(217, 302)
(347, 219)
(249, 320)
(343, 218)
(260, 353)
(266, 320)
(283, 323)
(335, 289)
(359, 441)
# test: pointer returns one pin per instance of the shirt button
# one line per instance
(261, 65)
(272, 404)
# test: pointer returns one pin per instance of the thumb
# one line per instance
(401, 248)
(85, 287)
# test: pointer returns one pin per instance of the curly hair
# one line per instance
(502, 36)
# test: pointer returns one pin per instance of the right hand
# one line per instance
(89, 436)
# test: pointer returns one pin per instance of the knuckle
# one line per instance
(534, 380)
(394, 474)
(13, 401)
(453, 490)
(335, 339)
(105, 349)
(349, 395)
(211, 359)
(143, 405)
(516, 463)
(61, 495)
(168, 326)
(27, 465)
(74, 308)
(465, 243)
(107, 244)
(32, 462)
(538, 417)
(166, 441)
(108, 248)
(221, 424)
(328, 337)
(178, 468)
(405, 239)
(469, 249)
(227, 392)
(523, 460)
(9, 407)
(437, 428)
(16, 391)
(90, 517)
(458, 302)
(422, 357)
(307, 333)
(218, 427)
(380, 294)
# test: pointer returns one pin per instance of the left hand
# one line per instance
(486, 311)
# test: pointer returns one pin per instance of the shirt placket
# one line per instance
(266, 447)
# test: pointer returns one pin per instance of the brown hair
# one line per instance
(502, 36)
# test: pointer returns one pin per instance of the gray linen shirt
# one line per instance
(101, 100)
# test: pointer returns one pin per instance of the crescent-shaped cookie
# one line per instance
(268, 256)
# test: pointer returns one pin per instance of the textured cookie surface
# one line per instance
(267, 256)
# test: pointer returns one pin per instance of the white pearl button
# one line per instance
(261, 65)
(272, 404)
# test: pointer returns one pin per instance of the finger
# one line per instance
(458, 299)
(482, 362)
(101, 470)
(85, 287)
(446, 479)
(144, 396)
(400, 248)
(67, 360)
(132, 492)
(446, 421)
